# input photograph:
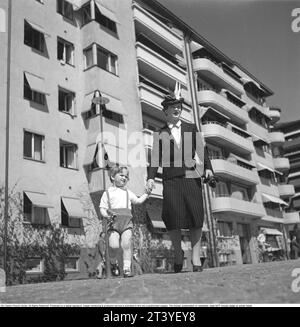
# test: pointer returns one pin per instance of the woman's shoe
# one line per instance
(178, 266)
(196, 268)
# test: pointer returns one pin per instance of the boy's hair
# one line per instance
(116, 169)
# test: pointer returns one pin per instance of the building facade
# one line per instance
(133, 52)
(291, 150)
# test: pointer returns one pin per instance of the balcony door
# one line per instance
(245, 236)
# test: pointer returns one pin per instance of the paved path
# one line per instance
(260, 283)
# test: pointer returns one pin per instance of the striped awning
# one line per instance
(73, 207)
(39, 199)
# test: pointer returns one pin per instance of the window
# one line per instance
(221, 190)
(72, 264)
(66, 101)
(65, 8)
(33, 95)
(214, 152)
(106, 60)
(104, 21)
(33, 146)
(88, 56)
(34, 265)
(68, 155)
(86, 14)
(238, 192)
(224, 228)
(65, 51)
(67, 220)
(33, 38)
(33, 214)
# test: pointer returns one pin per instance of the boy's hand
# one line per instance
(111, 213)
(150, 186)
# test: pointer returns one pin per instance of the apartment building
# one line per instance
(61, 52)
(236, 123)
(291, 150)
(133, 52)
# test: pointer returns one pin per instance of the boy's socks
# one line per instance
(127, 264)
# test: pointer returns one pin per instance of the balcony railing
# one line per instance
(227, 126)
(233, 161)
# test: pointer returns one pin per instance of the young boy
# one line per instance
(116, 201)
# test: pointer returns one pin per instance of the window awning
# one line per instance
(207, 110)
(240, 129)
(39, 199)
(106, 12)
(272, 231)
(114, 104)
(37, 27)
(256, 138)
(73, 207)
(271, 198)
(36, 83)
(246, 80)
(241, 102)
(249, 163)
(261, 167)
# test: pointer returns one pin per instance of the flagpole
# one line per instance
(100, 101)
(197, 118)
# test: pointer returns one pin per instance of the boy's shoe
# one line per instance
(115, 270)
(127, 272)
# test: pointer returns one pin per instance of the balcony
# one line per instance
(276, 138)
(223, 135)
(216, 74)
(281, 164)
(291, 218)
(235, 172)
(237, 207)
(274, 114)
(151, 103)
(150, 26)
(220, 103)
(291, 146)
(158, 68)
(286, 190)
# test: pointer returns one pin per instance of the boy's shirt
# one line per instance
(118, 198)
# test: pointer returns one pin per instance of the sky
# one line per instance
(256, 33)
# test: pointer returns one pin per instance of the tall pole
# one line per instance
(197, 119)
(99, 102)
(6, 204)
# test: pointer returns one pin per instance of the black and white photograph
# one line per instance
(150, 155)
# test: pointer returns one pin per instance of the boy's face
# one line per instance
(173, 113)
(121, 178)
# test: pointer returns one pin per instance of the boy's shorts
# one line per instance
(122, 221)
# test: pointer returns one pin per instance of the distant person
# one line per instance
(262, 243)
(294, 248)
(116, 204)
